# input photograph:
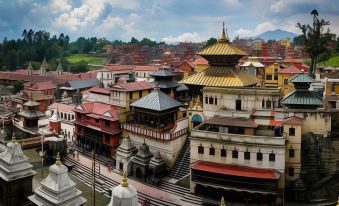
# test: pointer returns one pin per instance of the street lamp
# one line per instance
(42, 154)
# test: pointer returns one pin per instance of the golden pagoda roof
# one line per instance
(222, 76)
(222, 47)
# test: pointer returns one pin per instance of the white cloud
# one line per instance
(260, 28)
(233, 2)
(60, 6)
(186, 37)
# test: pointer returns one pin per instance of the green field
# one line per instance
(87, 58)
(333, 61)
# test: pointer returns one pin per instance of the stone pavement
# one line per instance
(151, 191)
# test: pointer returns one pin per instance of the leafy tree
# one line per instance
(134, 41)
(210, 42)
(79, 67)
(298, 40)
(314, 39)
(18, 86)
(270, 41)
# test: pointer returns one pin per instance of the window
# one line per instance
(136, 74)
(121, 166)
(206, 100)
(215, 101)
(62, 115)
(107, 138)
(275, 76)
(200, 149)
(235, 154)
(291, 131)
(268, 104)
(107, 123)
(238, 104)
(131, 95)
(285, 81)
(291, 152)
(97, 120)
(212, 151)
(268, 77)
(291, 171)
(223, 152)
(247, 155)
(72, 116)
(333, 88)
(210, 100)
(259, 156)
(263, 103)
(271, 157)
(144, 74)
(140, 94)
(150, 90)
(68, 117)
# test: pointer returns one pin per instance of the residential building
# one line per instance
(143, 73)
(284, 77)
(105, 76)
(97, 127)
(271, 75)
(285, 42)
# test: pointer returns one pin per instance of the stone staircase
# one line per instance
(105, 184)
(181, 166)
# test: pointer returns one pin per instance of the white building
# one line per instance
(106, 76)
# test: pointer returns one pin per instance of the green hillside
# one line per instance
(89, 59)
(333, 61)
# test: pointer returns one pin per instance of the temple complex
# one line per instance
(157, 120)
(15, 175)
(124, 194)
(57, 189)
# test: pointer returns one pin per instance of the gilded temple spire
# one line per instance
(224, 36)
(57, 159)
(124, 182)
(222, 202)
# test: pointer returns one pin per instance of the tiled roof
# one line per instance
(293, 120)
(235, 170)
(200, 61)
(119, 67)
(45, 85)
(107, 130)
(62, 107)
(99, 90)
(132, 86)
(228, 121)
(302, 78)
(290, 70)
(302, 97)
(222, 77)
(156, 100)
(146, 68)
(100, 109)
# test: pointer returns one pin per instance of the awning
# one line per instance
(268, 122)
(236, 170)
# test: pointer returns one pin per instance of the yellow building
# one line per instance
(284, 76)
(285, 42)
(271, 75)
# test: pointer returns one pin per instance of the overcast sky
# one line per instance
(161, 20)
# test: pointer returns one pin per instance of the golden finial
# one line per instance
(190, 105)
(57, 159)
(222, 203)
(13, 138)
(224, 38)
(198, 102)
(338, 202)
(124, 182)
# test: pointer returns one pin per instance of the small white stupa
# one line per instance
(124, 194)
(57, 189)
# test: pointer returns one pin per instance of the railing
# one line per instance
(149, 133)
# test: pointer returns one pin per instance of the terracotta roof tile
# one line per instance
(132, 86)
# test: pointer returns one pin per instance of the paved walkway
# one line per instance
(151, 191)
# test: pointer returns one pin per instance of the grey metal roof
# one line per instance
(163, 73)
(182, 87)
(85, 83)
(302, 97)
(302, 78)
(156, 100)
(166, 84)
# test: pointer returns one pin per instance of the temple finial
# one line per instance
(224, 38)
(57, 159)
(124, 182)
(222, 202)
(13, 138)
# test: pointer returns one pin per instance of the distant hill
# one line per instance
(276, 35)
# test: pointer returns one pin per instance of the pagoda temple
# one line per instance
(222, 72)
(30, 114)
(15, 175)
(164, 79)
(302, 97)
(57, 189)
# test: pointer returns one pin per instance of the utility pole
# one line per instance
(93, 173)
(42, 154)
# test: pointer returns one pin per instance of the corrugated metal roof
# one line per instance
(302, 78)
(156, 100)
(182, 87)
(166, 84)
(80, 84)
(302, 97)
(220, 48)
(163, 73)
(222, 76)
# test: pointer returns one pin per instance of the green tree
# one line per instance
(134, 41)
(298, 40)
(315, 40)
(210, 42)
(18, 86)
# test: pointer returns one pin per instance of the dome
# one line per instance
(124, 194)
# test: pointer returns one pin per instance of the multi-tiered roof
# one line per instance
(222, 57)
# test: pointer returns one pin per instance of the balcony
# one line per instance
(179, 129)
